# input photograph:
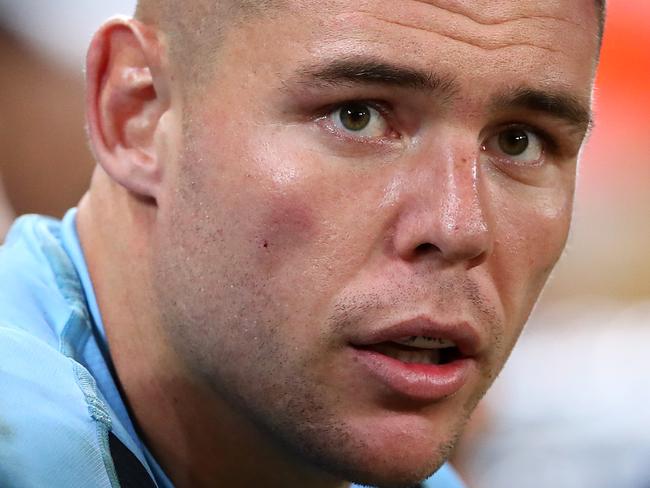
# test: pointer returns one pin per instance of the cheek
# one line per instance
(289, 232)
(300, 247)
(264, 199)
(300, 213)
(285, 222)
(530, 240)
(536, 237)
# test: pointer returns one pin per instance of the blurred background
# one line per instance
(572, 407)
(45, 162)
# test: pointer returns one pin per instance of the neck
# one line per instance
(197, 437)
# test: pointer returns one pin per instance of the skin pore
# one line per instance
(242, 234)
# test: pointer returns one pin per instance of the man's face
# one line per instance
(355, 174)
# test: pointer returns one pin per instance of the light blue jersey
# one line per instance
(61, 414)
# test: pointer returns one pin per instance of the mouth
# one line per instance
(419, 359)
(419, 350)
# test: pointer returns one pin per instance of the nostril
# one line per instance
(477, 260)
(426, 248)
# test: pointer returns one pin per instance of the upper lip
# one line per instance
(463, 334)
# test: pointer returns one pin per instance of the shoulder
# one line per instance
(445, 477)
(53, 427)
(49, 433)
(29, 295)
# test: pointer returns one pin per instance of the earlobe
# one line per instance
(126, 99)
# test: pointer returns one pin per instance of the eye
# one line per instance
(516, 144)
(360, 120)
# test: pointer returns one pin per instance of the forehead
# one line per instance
(484, 13)
(552, 36)
(478, 42)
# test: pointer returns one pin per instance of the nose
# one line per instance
(447, 216)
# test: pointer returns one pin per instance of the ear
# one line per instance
(127, 95)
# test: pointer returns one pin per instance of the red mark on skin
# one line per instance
(286, 226)
(289, 220)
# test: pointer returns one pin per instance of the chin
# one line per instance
(391, 461)
(396, 473)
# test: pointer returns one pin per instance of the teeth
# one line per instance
(424, 342)
(418, 357)
(411, 357)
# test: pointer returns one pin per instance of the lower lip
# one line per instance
(421, 382)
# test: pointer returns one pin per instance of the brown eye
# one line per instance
(358, 121)
(355, 116)
(518, 145)
(513, 142)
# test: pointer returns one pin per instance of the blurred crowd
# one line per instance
(570, 409)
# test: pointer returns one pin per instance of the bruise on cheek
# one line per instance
(287, 222)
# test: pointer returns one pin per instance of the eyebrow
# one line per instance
(371, 71)
(557, 104)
